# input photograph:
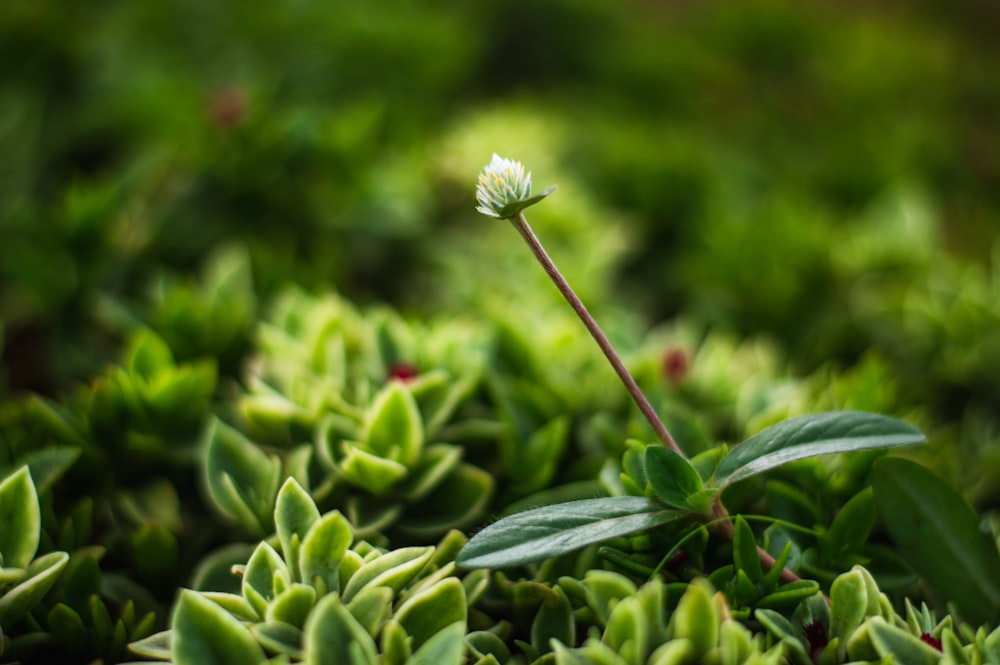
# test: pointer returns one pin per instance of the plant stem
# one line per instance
(521, 224)
(723, 526)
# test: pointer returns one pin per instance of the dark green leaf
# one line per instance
(553, 530)
(938, 534)
(671, 476)
(812, 435)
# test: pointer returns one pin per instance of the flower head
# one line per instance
(504, 188)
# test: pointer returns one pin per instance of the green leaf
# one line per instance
(850, 528)
(20, 519)
(202, 633)
(393, 569)
(258, 577)
(554, 621)
(40, 575)
(445, 647)
(233, 462)
(745, 550)
(279, 637)
(393, 427)
(938, 533)
(370, 471)
(334, 637)
(458, 500)
(294, 513)
(322, 549)
(549, 531)
(292, 605)
(812, 435)
(672, 477)
(890, 641)
(431, 610)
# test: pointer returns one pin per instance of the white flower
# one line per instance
(504, 188)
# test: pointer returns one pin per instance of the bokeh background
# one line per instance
(817, 180)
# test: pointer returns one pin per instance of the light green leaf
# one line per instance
(369, 471)
(40, 575)
(258, 578)
(279, 637)
(890, 641)
(323, 548)
(292, 605)
(202, 633)
(431, 610)
(250, 471)
(549, 531)
(334, 637)
(812, 435)
(294, 513)
(20, 519)
(445, 647)
(938, 533)
(393, 427)
(393, 569)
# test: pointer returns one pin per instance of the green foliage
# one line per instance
(932, 524)
(321, 600)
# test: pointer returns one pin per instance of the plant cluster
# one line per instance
(266, 395)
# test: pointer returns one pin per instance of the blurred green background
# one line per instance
(820, 177)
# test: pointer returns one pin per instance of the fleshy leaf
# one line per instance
(202, 633)
(938, 533)
(334, 637)
(812, 435)
(445, 647)
(553, 530)
(250, 471)
(393, 428)
(376, 474)
(20, 519)
(294, 513)
(433, 609)
(393, 569)
(258, 578)
(322, 549)
(41, 574)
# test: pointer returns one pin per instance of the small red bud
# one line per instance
(675, 365)
(927, 638)
(403, 372)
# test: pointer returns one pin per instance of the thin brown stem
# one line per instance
(521, 224)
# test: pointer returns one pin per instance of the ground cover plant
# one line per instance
(272, 390)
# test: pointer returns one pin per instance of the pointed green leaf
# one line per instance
(375, 474)
(393, 569)
(20, 519)
(554, 621)
(445, 647)
(292, 605)
(938, 533)
(745, 550)
(812, 435)
(259, 576)
(431, 610)
(549, 531)
(890, 641)
(153, 647)
(253, 473)
(671, 476)
(435, 464)
(371, 607)
(40, 575)
(279, 637)
(202, 633)
(294, 513)
(323, 549)
(456, 501)
(334, 637)
(393, 427)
